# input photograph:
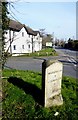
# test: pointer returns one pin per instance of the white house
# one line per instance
(20, 39)
(49, 44)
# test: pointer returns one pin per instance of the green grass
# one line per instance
(22, 96)
(43, 52)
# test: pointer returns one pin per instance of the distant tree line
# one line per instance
(72, 44)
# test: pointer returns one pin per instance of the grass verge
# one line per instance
(22, 97)
(43, 52)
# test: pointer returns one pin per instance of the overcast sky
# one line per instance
(57, 17)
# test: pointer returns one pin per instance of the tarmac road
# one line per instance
(34, 64)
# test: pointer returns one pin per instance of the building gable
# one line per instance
(17, 26)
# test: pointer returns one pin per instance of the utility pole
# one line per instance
(53, 40)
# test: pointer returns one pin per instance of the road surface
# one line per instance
(70, 61)
(68, 58)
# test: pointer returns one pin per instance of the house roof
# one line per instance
(17, 26)
(14, 25)
(30, 31)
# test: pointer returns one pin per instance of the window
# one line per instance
(22, 46)
(6, 32)
(22, 34)
(14, 47)
(28, 46)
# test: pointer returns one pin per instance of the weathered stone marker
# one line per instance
(51, 83)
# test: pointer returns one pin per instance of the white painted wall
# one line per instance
(48, 44)
(22, 42)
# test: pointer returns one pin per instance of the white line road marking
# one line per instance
(75, 65)
(72, 61)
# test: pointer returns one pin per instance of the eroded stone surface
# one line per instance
(51, 82)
